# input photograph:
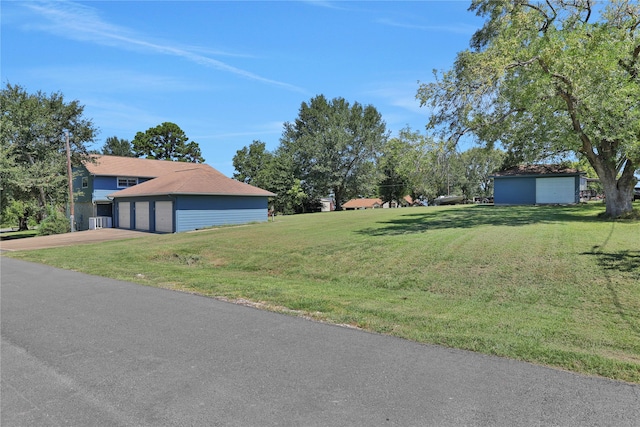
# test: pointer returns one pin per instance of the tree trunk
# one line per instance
(617, 198)
(338, 197)
(23, 223)
(618, 191)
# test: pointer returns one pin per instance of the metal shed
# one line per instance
(537, 185)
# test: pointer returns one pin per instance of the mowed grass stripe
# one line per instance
(551, 285)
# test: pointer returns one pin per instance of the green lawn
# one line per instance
(552, 285)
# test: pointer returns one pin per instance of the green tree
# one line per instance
(166, 142)
(333, 146)
(547, 79)
(279, 178)
(431, 167)
(478, 164)
(114, 146)
(252, 163)
(257, 166)
(32, 148)
(395, 183)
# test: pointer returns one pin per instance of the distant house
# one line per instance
(354, 204)
(327, 204)
(377, 203)
(162, 196)
(408, 201)
(538, 185)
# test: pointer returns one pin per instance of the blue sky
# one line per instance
(229, 73)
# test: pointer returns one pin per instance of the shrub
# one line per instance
(55, 223)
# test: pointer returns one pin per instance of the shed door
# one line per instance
(124, 215)
(555, 190)
(142, 216)
(164, 217)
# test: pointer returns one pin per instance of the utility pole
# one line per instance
(70, 177)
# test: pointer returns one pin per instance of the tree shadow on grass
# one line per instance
(624, 262)
(469, 217)
(7, 237)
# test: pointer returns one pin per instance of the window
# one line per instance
(127, 182)
(85, 182)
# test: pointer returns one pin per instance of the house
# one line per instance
(354, 204)
(327, 204)
(162, 196)
(538, 185)
(408, 201)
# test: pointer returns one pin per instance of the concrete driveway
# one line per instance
(68, 239)
(88, 351)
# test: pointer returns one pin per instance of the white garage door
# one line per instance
(555, 190)
(142, 215)
(164, 217)
(124, 215)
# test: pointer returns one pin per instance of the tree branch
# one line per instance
(547, 19)
(522, 63)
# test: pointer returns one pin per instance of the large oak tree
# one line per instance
(333, 146)
(548, 78)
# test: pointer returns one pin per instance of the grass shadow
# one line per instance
(16, 235)
(623, 261)
(627, 261)
(474, 216)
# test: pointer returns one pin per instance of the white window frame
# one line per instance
(85, 182)
(127, 181)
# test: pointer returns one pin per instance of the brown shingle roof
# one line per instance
(133, 166)
(362, 203)
(199, 180)
(537, 170)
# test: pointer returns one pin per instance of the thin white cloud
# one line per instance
(120, 116)
(80, 22)
(401, 95)
(271, 128)
(456, 29)
(323, 3)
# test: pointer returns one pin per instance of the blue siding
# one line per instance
(81, 195)
(105, 185)
(193, 212)
(514, 191)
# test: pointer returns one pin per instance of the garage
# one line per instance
(142, 216)
(124, 214)
(192, 199)
(537, 185)
(559, 190)
(164, 216)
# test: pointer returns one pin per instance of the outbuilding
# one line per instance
(538, 185)
(363, 203)
(189, 199)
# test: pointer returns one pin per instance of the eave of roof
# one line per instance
(536, 170)
(117, 195)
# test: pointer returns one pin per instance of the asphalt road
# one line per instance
(81, 350)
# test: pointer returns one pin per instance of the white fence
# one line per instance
(96, 222)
